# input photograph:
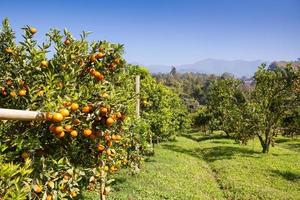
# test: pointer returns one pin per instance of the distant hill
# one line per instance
(280, 64)
(238, 68)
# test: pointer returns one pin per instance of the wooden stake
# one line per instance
(102, 185)
(137, 91)
(22, 115)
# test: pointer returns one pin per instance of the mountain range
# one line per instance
(238, 68)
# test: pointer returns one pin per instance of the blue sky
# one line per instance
(172, 31)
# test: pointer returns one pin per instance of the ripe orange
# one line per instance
(37, 188)
(12, 94)
(110, 121)
(74, 107)
(99, 76)
(87, 132)
(100, 147)
(61, 135)
(109, 143)
(68, 128)
(44, 63)
(74, 134)
(58, 129)
(100, 55)
(49, 116)
(103, 111)
(64, 112)
(67, 42)
(117, 61)
(114, 137)
(86, 109)
(8, 50)
(73, 194)
(32, 30)
(57, 117)
(118, 137)
(22, 92)
(49, 197)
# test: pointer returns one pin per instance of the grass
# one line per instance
(203, 167)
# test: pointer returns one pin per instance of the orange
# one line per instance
(99, 76)
(32, 30)
(87, 132)
(100, 55)
(86, 109)
(114, 137)
(103, 111)
(67, 42)
(73, 194)
(57, 117)
(68, 128)
(118, 137)
(22, 92)
(110, 121)
(12, 94)
(58, 129)
(74, 107)
(49, 197)
(8, 50)
(74, 134)
(64, 112)
(44, 63)
(61, 135)
(49, 116)
(37, 188)
(100, 147)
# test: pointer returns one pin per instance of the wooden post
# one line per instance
(22, 115)
(102, 185)
(137, 91)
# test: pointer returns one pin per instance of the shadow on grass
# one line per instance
(290, 176)
(294, 146)
(282, 140)
(204, 137)
(212, 154)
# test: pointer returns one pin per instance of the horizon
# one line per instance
(158, 32)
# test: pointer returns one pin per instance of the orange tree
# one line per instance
(162, 109)
(82, 87)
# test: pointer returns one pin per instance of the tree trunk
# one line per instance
(266, 147)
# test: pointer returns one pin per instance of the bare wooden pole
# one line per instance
(137, 91)
(22, 115)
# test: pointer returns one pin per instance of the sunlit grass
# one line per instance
(201, 167)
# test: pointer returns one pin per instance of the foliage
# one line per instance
(161, 108)
(81, 86)
(14, 180)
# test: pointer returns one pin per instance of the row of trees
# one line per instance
(91, 130)
(264, 109)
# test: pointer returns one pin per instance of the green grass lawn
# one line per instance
(200, 167)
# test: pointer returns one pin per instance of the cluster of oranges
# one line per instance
(14, 90)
